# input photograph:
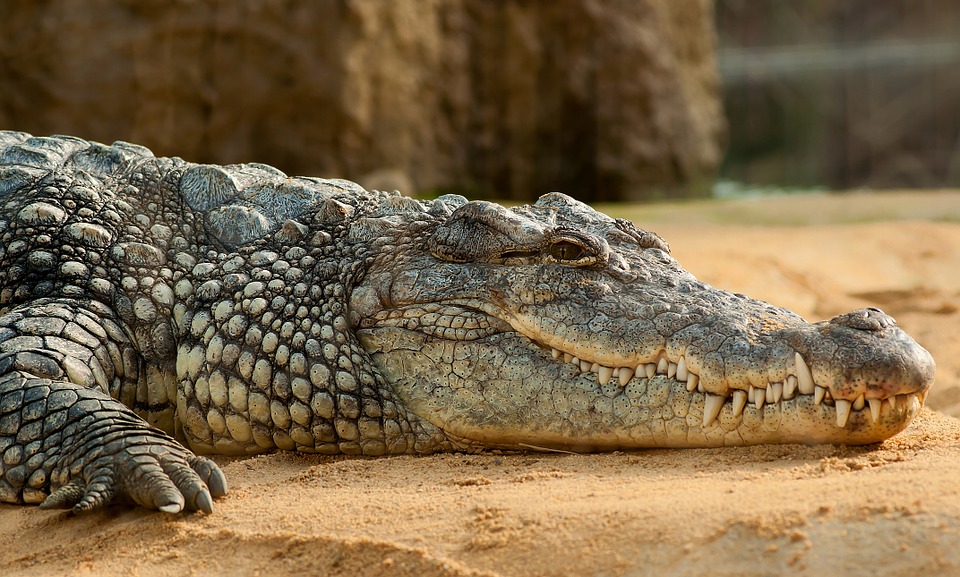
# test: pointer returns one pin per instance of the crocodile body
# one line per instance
(153, 310)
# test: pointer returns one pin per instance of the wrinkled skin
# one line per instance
(151, 309)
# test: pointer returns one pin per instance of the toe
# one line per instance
(65, 497)
(99, 492)
(211, 474)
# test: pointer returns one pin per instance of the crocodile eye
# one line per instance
(566, 251)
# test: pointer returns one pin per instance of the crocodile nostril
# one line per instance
(869, 319)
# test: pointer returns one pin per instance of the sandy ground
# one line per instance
(891, 509)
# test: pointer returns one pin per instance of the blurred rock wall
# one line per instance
(602, 99)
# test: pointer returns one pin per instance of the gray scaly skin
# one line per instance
(150, 304)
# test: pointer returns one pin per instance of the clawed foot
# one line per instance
(156, 476)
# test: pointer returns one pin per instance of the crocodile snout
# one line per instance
(865, 354)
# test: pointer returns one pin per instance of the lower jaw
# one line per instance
(799, 420)
(663, 414)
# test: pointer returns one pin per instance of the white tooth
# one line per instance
(672, 370)
(682, 372)
(711, 408)
(693, 382)
(777, 392)
(819, 394)
(751, 394)
(625, 374)
(556, 353)
(739, 401)
(804, 376)
(789, 387)
(604, 375)
(759, 397)
(700, 388)
(859, 403)
(663, 365)
(875, 405)
(914, 400)
(650, 369)
(595, 367)
(585, 366)
(568, 358)
(843, 412)
(893, 402)
(768, 394)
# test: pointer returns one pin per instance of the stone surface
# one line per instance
(603, 100)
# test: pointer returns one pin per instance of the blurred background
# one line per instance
(606, 100)
(841, 95)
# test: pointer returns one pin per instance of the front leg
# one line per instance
(64, 445)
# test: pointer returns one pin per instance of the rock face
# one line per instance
(605, 100)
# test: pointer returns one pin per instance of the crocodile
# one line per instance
(154, 310)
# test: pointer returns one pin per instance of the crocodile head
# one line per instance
(556, 326)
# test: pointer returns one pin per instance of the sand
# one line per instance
(887, 509)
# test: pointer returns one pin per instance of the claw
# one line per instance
(203, 502)
(171, 508)
(168, 499)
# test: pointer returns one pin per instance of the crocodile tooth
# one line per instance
(555, 353)
(751, 394)
(585, 366)
(777, 391)
(711, 408)
(604, 375)
(768, 394)
(819, 394)
(700, 388)
(893, 401)
(671, 370)
(843, 412)
(739, 402)
(804, 376)
(789, 387)
(858, 404)
(575, 362)
(759, 397)
(913, 399)
(693, 381)
(624, 374)
(875, 405)
(682, 372)
(567, 358)
(650, 369)
(663, 365)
